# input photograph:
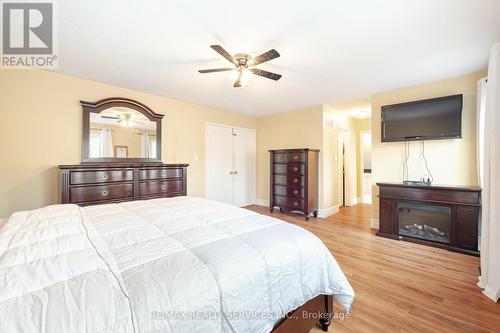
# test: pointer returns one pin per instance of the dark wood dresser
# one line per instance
(294, 180)
(441, 216)
(91, 184)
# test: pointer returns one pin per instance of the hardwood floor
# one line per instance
(400, 286)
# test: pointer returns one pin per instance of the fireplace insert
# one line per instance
(425, 221)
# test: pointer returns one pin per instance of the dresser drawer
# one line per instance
(146, 174)
(296, 169)
(296, 157)
(290, 180)
(289, 157)
(280, 158)
(294, 192)
(289, 168)
(289, 202)
(105, 176)
(100, 192)
(160, 187)
(280, 168)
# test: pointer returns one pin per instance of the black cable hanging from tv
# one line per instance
(405, 162)
(430, 178)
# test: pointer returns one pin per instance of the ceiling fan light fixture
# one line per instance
(245, 76)
(125, 120)
(233, 75)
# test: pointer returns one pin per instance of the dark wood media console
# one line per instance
(441, 216)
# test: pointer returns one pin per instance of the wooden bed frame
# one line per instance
(319, 308)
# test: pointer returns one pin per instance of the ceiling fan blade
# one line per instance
(220, 50)
(214, 70)
(266, 74)
(109, 117)
(269, 55)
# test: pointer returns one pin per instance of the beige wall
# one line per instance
(296, 129)
(451, 162)
(41, 123)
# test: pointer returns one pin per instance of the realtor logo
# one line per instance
(28, 34)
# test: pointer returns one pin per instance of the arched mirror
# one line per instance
(120, 130)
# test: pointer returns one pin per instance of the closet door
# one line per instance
(244, 166)
(219, 163)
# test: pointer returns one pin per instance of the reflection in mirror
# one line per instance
(121, 132)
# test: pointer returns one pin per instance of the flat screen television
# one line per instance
(430, 119)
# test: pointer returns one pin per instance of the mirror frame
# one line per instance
(103, 104)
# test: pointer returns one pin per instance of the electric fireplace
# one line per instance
(425, 221)
(435, 215)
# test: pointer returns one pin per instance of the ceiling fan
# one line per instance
(244, 65)
(125, 119)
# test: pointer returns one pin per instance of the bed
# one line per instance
(179, 264)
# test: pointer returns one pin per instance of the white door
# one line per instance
(219, 163)
(230, 168)
(244, 161)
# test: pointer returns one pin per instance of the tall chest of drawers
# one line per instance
(294, 180)
(92, 184)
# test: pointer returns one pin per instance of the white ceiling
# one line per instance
(331, 50)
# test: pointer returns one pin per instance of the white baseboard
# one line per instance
(374, 223)
(354, 201)
(323, 213)
(367, 199)
(262, 202)
(492, 294)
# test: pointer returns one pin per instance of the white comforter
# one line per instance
(165, 265)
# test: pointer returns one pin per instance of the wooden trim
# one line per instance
(294, 150)
(295, 322)
(428, 201)
(434, 187)
(101, 105)
(122, 165)
(306, 185)
(107, 103)
(271, 186)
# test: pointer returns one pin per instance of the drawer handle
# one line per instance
(105, 177)
(295, 157)
(295, 192)
(295, 180)
(104, 193)
(295, 169)
(163, 187)
(164, 174)
(295, 203)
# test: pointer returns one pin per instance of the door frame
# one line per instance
(253, 157)
(362, 162)
(347, 166)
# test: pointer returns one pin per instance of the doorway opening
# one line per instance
(343, 166)
(366, 166)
